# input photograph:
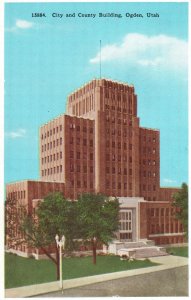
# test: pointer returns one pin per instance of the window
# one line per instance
(107, 170)
(78, 128)
(91, 156)
(125, 171)
(60, 168)
(130, 186)
(60, 127)
(130, 172)
(130, 146)
(60, 141)
(78, 168)
(91, 143)
(78, 155)
(85, 169)
(84, 142)
(107, 184)
(91, 169)
(71, 154)
(60, 155)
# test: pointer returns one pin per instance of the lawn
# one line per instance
(179, 251)
(21, 271)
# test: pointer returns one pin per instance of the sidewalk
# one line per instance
(167, 262)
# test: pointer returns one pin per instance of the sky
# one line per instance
(46, 58)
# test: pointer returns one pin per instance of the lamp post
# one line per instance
(60, 243)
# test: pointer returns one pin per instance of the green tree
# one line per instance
(181, 202)
(54, 215)
(97, 218)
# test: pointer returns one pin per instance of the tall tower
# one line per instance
(113, 106)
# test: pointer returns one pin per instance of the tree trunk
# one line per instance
(57, 264)
(94, 252)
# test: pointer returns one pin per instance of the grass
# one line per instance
(179, 251)
(21, 271)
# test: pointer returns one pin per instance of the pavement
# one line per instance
(172, 282)
(167, 263)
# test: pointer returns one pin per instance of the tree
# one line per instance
(181, 202)
(97, 218)
(54, 215)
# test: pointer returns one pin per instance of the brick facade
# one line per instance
(99, 146)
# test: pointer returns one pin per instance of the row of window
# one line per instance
(119, 132)
(126, 236)
(80, 155)
(52, 144)
(118, 145)
(125, 215)
(166, 228)
(118, 171)
(118, 186)
(148, 174)
(125, 226)
(156, 212)
(51, 132)
(78, 128)
(119, 109)
(149, 150)
(52, 157)
(83, 106)
(114, 157)
(148, 187)
(81, 184)
(17, 195)
(118, 97)
(149, 139)
(50, 171)
(149, 162)
(79, 141)
(119, 121)
(79, 168)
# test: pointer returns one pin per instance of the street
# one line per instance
(170, 282)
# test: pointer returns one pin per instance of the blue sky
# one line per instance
(47, 58)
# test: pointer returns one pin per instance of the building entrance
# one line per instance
(125, 221)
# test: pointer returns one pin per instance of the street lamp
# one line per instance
(60, 243)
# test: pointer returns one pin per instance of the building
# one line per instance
(99, 146)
